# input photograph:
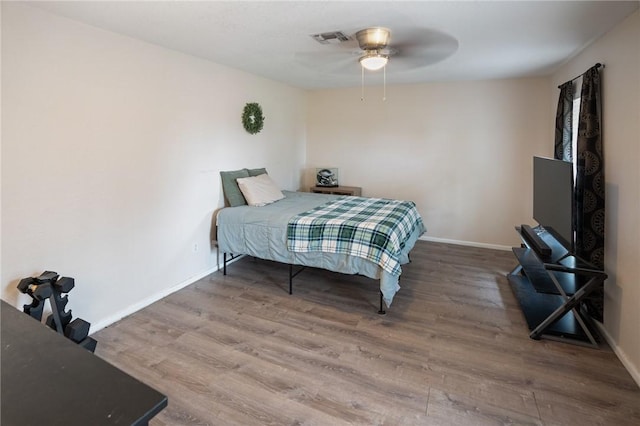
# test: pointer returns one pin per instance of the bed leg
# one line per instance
(224, 264)
(290, 278)
(381, 311)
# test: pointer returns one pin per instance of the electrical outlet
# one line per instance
(195, 247)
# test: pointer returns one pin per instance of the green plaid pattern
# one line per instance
(372, 228)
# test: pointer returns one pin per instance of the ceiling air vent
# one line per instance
(334, 37)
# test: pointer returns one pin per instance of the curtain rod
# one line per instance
(598, 65)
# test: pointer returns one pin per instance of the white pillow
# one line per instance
(259, 190)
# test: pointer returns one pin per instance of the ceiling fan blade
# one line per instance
(329, 62)
(422, 47)
(401, 64)
(419, 58)
(420, 37)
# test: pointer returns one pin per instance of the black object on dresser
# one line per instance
(49, 380)
(551, 283)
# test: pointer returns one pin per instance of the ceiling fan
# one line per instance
(373, 42)
(374, 48)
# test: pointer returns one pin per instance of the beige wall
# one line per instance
(111, 150)
(461, 150)
(619, 51)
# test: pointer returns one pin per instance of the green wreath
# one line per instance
(252, 118)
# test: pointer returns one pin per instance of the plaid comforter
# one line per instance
(372, 228)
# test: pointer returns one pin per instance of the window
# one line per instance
(575, 116)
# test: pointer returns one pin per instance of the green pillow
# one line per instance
(230, 187)
(257, 172)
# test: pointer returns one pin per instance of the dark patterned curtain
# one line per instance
(564, 120)
(590, 183)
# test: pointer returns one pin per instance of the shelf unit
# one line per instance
(550, 285)
(338, 190)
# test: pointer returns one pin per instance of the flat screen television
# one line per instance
(553, 197)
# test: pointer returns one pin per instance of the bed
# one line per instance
(299, 228)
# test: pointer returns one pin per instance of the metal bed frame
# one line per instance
(292, 274)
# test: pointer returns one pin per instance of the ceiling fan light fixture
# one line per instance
(373, 38)
(374, 61)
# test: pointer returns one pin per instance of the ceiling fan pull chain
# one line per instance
(384, 83)
(362, 84)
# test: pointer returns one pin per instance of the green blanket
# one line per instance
(372, 228)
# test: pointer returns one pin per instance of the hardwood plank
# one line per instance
(592, 407)
(455, 409)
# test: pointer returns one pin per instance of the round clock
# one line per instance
(252, 118)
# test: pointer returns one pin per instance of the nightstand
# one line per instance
(338, 190)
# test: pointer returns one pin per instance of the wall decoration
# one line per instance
(252, 118)
(327, 177)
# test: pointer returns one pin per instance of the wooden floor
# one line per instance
(453, 349)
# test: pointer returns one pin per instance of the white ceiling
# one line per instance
(442, 40)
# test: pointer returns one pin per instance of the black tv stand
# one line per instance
(550, 284)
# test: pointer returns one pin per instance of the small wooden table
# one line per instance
(49, 380)
(338, 190)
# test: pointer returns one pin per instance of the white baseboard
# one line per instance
(105, 322)
(632, 369)
(465, 243)
(117, 316)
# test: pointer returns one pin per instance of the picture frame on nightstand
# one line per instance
(327, 177)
